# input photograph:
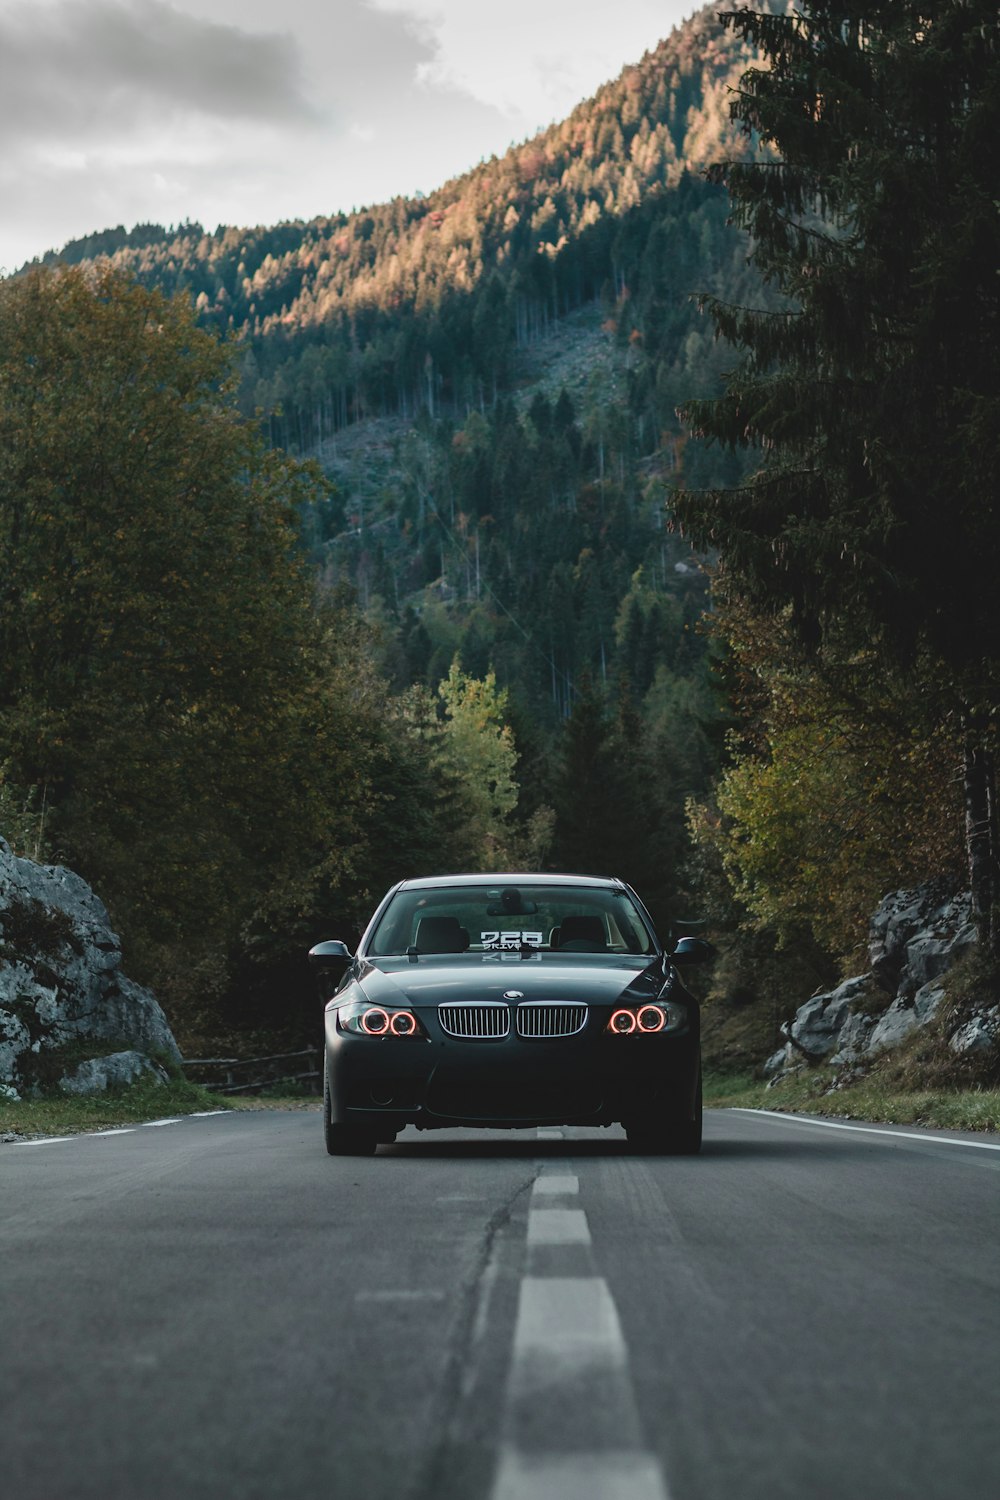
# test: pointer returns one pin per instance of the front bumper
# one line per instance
(595, 1079)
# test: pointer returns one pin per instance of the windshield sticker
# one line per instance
(511, 939)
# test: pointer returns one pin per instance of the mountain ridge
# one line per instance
(335, 312)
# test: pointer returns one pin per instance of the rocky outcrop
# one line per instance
(69, 1017)
(915, 938)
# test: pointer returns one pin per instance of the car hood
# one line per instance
(589, 978)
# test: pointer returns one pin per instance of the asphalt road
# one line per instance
(215, 1308)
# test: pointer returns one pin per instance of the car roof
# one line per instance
(430, 882)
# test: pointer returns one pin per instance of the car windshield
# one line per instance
(493, 918)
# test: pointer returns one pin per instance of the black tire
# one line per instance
(346, 1140)
(343, 1140)
(668, 1137)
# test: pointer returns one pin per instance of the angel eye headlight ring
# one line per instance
(622, 1022)
(647, 1019)
(360, 1018)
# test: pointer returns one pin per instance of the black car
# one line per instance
(509, 1001)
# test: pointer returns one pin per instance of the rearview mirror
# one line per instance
(691, 950)
(511, 904)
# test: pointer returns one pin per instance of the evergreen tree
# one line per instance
(873, 395)
(583, 787)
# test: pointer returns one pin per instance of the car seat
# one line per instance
(441, 935)
(582, 934)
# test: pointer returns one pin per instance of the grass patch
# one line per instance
(866, 1099)
(144, 1100)
(59, 1114)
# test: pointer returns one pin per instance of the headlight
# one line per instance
(362, 1019)
(633, 1020)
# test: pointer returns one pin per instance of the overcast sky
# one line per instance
(252, 111)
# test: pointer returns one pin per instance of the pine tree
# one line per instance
(872, 394)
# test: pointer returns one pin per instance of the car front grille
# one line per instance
(488, 1019)
(540, 1019)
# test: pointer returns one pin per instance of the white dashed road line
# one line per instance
(558, 1226)
(557, 1443)
(552, 1185)
(625, 1475)
(565, 1322)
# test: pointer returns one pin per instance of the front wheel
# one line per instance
(346, 1140)
(343, 1140)
(668, 1137)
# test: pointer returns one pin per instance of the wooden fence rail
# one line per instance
(228, 1075)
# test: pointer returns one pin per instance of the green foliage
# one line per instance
(22, 817)
(871, 397)
(147, 554)
(879, 223)
(203, 738)
(471, 762)
(478, 749)
(837, 788)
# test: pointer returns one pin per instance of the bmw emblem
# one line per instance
(513, 994)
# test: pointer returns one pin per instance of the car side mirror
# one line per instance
(691, 950)
(326, 955)
(330, 962)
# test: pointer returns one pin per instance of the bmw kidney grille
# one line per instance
(539, 1018)
(484, 1019)
(489, 1020)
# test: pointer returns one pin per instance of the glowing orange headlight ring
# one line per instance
(619, 1017)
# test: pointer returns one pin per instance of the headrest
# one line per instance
(441, 935)
(587, 932)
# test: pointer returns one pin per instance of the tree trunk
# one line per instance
(981, 832)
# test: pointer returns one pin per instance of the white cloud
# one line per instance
(243, 112)
(96, 67)
(533, 59)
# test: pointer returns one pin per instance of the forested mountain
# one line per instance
(493, 645)
(424, 303)
(490, 376)
(508, 649)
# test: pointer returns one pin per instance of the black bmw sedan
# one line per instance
(509, 1001)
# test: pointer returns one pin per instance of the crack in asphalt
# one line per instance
(459, 1413)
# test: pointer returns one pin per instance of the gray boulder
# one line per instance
(817, 1026)
(61, 984)
(853, 1040)
(906, 1014)
(979, 1034)
(118, 1069)
(916, 936)
(776, 1062)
